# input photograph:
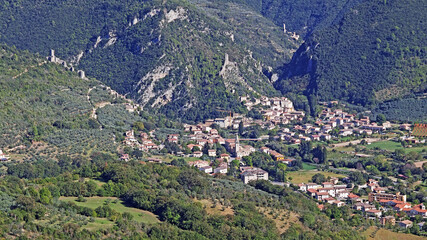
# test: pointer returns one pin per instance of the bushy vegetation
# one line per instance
(412, 109)
(167, 191)
(43, 104)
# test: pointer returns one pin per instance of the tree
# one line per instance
(138, 126)
(241, 128)
(318, 178)
(380, 119)
(320, 153)
(308, 220)
(305, 149)
(45, 196)
(248, 160)
(283, 168)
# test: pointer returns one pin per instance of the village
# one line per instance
(199, 143)
(379, 205)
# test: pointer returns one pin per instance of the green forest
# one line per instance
(376, 53)
(29, 191)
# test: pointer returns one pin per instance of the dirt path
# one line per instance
(96, 106)
(93, 114)
(28, 68)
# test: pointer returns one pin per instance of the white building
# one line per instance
(253, 174)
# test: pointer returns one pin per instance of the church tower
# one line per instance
(237, 146)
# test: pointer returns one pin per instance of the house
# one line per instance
(213, 131)
(211, 152)
(198, 163)
(225, 156)
(265, 150)
(288, 161)
(125, 157)
(388, 220)
(302, 187)
(386, 196)
(354, 198)
(373, 213)
(312, 186)
(330, 191)
(197, 154)
(343, 194)
(327, 184)
(191, 146)
(326, 137)
(223, 122)
(334, 180)
(329, 200)
(206, 169)
(251, 174)
(154, 160)
(405, 224)
(277, 156)
(367, 207)
(173, 138)
(345, 132)
(202, 142)
(338, 203)
(402, 207)
(222, 170)
(246, 150)
(312, 192)
(358, 206)
(417, 210)
(320, 196)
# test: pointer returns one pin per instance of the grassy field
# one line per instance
(338, 155)
(384, 234)
(305, 176)
(391, 146)
(94, 202)
(307, 167)
(100, 223)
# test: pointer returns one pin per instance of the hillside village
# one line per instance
(214, 152)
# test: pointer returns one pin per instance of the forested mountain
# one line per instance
(157, 51)
(302, 17)
(377, 52)
(186, 59)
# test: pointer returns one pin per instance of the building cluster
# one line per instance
(145, 143)
(329, 192)
(277, 111)
(329, 120)
(340, 195)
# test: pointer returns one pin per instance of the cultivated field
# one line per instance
(391, 146)
(94, 202)
(384, 234)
